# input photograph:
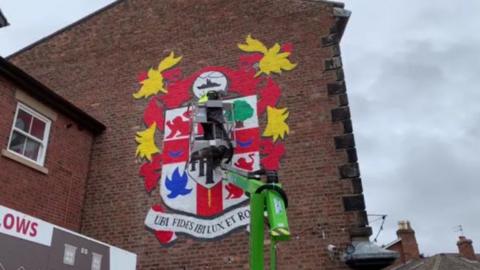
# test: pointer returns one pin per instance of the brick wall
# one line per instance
(95, 63)
(406, 245)
(465, 248)
(58, 196)
(409, 250)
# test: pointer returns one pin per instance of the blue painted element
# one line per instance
(177, 184)
(175, 154)
(245, 144)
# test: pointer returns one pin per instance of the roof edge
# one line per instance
(392, 243)
(342, 15)
(335, 3)
(44, 94)
(328, 2)
(64, 29)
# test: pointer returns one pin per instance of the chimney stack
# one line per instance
(409, 242)
(465, 248)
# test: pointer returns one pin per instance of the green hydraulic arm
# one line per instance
(266, 199)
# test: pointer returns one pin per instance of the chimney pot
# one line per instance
(465, 248)
(404, 225)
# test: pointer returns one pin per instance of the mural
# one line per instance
(196, 201)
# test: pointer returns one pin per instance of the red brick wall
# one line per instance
(58, 196)
(95, 64)
(398, 247)
(409, 244)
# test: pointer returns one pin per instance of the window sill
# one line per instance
(24, 161)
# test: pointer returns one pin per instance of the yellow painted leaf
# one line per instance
(283, 55)
(253, 45)
(154, 82)
(146, 143)
(168, 62)
(151, 86)
(285, 64)
(276, 125)
(274, 50)
(275, 62)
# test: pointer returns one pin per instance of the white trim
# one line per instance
(22, 160)
(43, 143)
(35, 104)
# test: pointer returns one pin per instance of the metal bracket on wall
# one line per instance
(3, 20)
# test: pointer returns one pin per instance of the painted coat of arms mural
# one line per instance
(195, 200)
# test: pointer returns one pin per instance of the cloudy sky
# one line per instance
(411, 68)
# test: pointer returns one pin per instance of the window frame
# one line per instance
(43, 143)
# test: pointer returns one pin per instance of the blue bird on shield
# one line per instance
(177, 184)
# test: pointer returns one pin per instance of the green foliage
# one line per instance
(242, 110)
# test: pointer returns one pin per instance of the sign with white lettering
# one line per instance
(30, 243)
(22, 226)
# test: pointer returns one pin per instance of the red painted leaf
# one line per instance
(248, 61)
(154, 113)
(272, 153)
(243, 82)
(178, 93)
(142, 76)
(287, 47)
(269, 96)
(150, 171)
(172, 75)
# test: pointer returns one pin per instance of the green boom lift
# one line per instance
(267, 198)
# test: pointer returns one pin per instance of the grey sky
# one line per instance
(32, 20)
(411, 69)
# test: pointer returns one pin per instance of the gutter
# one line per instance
(44, 94)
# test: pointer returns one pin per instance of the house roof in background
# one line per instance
(44, 94)
(443, 261)
(392, 243)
